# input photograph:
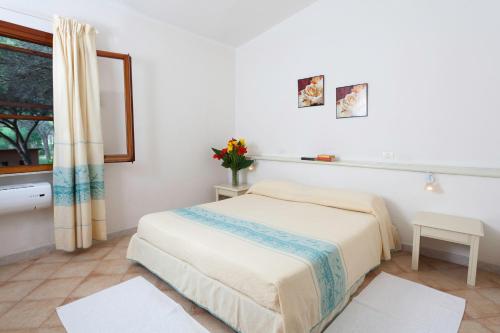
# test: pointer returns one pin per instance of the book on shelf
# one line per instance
(325, 158)
(321, 157)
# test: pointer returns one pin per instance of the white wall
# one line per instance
(183, 104)
(433, 75)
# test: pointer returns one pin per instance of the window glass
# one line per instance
(26, 142)
(26, 127)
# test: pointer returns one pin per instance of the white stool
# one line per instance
(452, 229)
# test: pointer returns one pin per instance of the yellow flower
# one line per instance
(230, 146)
(242, 142)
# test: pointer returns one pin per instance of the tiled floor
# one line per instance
(30, 291)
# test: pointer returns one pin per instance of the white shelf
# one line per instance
(438, 169)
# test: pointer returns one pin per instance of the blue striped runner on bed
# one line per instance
(324, 257)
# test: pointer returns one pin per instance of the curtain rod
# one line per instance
(43, 18)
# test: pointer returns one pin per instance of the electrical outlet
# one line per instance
(388, 155)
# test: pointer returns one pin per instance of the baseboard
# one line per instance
(26, 255)
(452, 257)
(39, 251)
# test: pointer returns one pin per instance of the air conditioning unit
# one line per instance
(25, 197)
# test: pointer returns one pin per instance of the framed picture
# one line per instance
(311, 91)
(352, 101)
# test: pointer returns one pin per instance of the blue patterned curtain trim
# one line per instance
(78, 185)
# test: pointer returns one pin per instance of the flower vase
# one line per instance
(236, 181)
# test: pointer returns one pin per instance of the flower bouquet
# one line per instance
(233, 157)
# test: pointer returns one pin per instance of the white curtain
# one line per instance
(79, 210)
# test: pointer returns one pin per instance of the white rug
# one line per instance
(132, 306)
(393, 305)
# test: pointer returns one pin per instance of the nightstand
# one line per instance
(228, 191)
(454, 229)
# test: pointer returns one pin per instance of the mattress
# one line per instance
(277, 278)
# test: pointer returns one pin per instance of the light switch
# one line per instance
(388, 155)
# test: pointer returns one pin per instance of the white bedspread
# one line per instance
(274, 279)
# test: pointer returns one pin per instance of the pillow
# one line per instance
(337, 198)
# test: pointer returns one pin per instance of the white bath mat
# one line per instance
(392, 305)
(132, 306)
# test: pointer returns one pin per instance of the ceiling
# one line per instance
(232, 22)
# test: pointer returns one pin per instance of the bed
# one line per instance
(282, 258)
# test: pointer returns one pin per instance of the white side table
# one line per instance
(452, 229)
(228, 191)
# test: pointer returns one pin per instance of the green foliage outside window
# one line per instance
(25, 94)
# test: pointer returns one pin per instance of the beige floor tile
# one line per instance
(442, 280)
(59, 329)
(153, 279)
(493, 276)
(75, 269)
(37, 330)
(411, 276)
(212, 324)
(137, 268)
(94, 284)
(106, 243)
(37, 271)
(198, 310)
(477, 306)
(17, 290)
(404, 262)
(400, 253)
(110, 267)
(56, 288)
(390, 267)
(28, 314)
(70, 300)
(491, 323)
(472, 326)
(188, 306)
(118, 252)
(55, 256)
(486, 279)
(439, 264)
(493, 294)
(8, 271)
(5, 306)
(123, 242)
(52, 321)
(94, 253)
(470, 295)
(483, 279)
(162, 285)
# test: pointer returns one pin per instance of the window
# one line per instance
(26, 120)
(26, 117)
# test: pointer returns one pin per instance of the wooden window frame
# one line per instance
(129, 108)
(20, 32)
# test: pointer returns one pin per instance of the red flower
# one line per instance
(242, 150)
(222, 153)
